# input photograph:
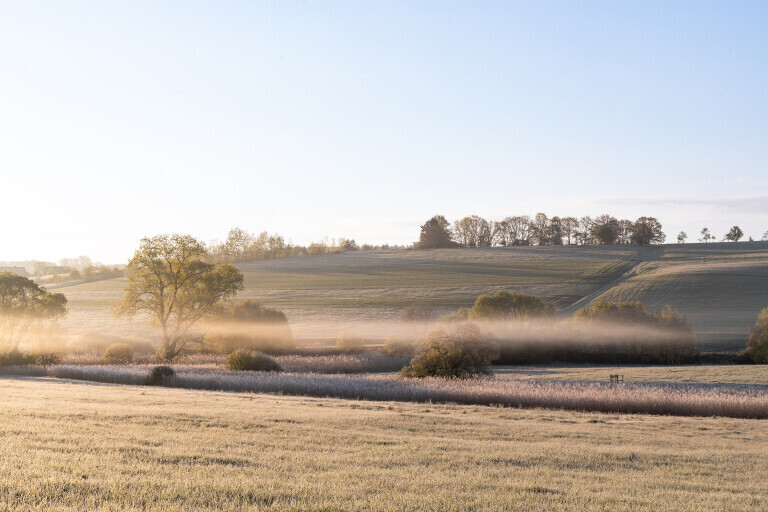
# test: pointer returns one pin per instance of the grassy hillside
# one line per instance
(720, 287)
(84, 446)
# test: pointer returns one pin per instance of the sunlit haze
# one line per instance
(120, 120)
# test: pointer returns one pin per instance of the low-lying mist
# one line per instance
(519, 341)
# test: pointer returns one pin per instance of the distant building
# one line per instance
(21, 271)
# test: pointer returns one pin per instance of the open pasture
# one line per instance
(85, 446)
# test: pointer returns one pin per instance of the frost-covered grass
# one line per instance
(738, 401)
(368, 362)
(69, 446)
(755, 374)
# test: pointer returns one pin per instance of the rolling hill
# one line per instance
(719, 287)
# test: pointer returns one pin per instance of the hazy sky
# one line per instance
(362, 119)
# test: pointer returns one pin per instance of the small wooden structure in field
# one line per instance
(616, 378)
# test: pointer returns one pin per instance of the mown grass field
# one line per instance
(84, 446)
(720, 287)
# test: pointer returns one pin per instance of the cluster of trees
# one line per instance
(632, 313)
(504, 305)
(24, 304)
(604, 332)
(240, 245)
(733, 235)
(171, 280)
(247, 325)
(474, 231)
(95, 273)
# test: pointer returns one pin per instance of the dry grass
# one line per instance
(707, 374)
(666, 399)
(369, 362)
(75, 446)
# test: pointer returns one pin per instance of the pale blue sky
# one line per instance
(363, 119)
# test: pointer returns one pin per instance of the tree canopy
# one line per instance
(522, 230)
(24, 303)
(435, 234)
(647, 230)
(170, 279)
(464, 351)
(734, 235)
(632, 313)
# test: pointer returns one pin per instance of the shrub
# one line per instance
(460, 315)
(463, 352)
(397, 346)
(639, 337)
(350, 341)
(47, 359)
(504, 305)
(757, 346)
(245, 360)
(248, 325)
(119, 353)
(94, 342)
(158, 375)
(16, 358)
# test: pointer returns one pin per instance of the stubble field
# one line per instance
(84, 446)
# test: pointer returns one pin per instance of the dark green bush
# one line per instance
(245, 360)
(158, 375)
(119, 353)
(463, 352)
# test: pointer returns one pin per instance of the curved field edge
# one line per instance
(637, 398)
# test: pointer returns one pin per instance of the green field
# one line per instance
(720, 287)
(85, 446)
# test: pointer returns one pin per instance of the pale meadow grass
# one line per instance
(737, 401)
(754, 374)
(368, 362)
(71, 446)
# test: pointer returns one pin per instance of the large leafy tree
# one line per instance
(435, 234)
(170, 279)
(24, 303)
(647, 230)
(605, 230)
(734, 235)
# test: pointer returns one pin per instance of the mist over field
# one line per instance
(383, 256)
